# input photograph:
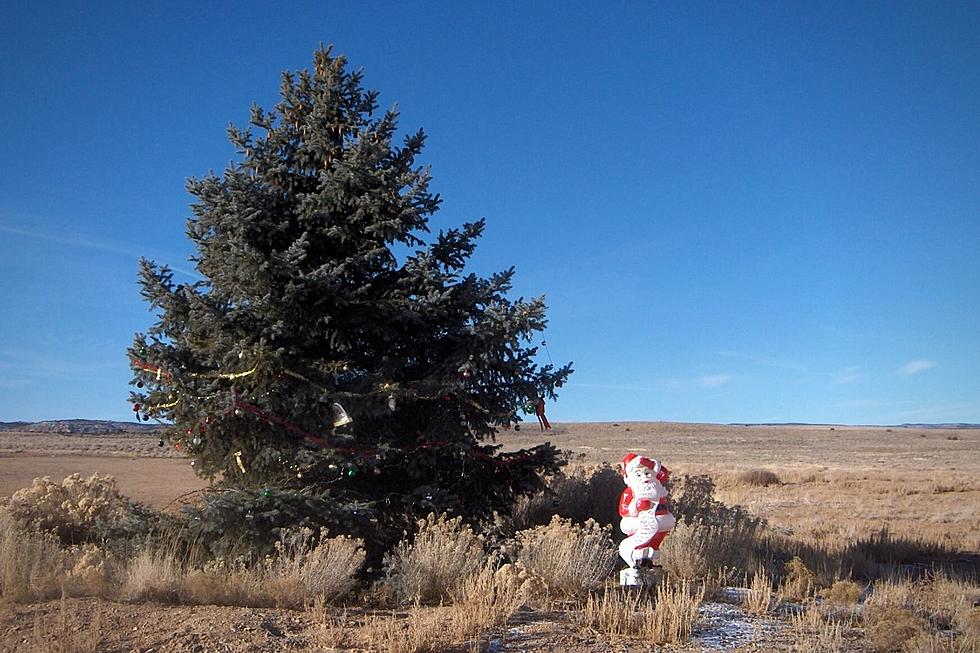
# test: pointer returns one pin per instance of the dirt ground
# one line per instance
(846, 481)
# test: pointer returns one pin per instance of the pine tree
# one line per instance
(332, 366)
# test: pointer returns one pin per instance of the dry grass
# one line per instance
(432, 565)
(666, 618)
(154, 574)
(813, 632)
(760, 599)
(487, 598)
(70, 633)
(303, 569)
(942, 602)
(569, 559)
(32, 564)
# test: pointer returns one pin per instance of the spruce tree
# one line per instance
(334, 366)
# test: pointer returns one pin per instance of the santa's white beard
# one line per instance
(646, 491)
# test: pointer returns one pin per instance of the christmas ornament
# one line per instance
(539, 411)
(195, 441)
(238, 459)
(646, 519)
(139, 384)
(391, 403)
(340, 416)
(161, 442)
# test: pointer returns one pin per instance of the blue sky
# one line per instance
(737, 211)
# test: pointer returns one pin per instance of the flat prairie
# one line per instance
(833, 481)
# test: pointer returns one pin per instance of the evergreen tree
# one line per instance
(312, 371)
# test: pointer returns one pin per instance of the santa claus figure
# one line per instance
(643, 507)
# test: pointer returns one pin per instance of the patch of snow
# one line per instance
(723, 627)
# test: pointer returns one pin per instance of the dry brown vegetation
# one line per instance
(846, 540)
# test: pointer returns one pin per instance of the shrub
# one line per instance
(889, 628)
(699, 549)
(583, 493)
(843, 592)
(569, 558)
(305, 567)
(90, 571)
(759, 477)
(440, 557)
(81, 510)
(798, 581)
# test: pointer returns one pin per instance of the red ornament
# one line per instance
(136, 408)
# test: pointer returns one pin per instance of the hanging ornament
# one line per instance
(238, 459)
(238, 412)
(241, 355)
(159, 373)
(195, 440)
(340, 416)
(266, 492)
(467, 373)
(391, 403)
(139, 384)
(351, 471)
(160, 443)
(136, 408)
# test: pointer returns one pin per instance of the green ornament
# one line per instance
(351, 470)
(267, 492)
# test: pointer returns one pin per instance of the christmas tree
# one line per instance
(334, 367)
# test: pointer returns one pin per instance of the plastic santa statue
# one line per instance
(645, 517)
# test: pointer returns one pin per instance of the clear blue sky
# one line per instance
(738, 211)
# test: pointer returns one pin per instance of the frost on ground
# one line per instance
(724, 627)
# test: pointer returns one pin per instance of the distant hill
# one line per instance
(78, 426)
(955, 425)
(949, 425)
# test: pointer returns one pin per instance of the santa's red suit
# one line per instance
(643, 508)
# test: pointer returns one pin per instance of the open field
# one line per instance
(828, 486)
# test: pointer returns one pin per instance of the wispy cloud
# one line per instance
(714, 380)
(612, 386)
(849, 375)
(761, 360)
(914, 367)
(87, 242)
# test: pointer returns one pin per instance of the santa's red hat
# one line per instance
(631, 461)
